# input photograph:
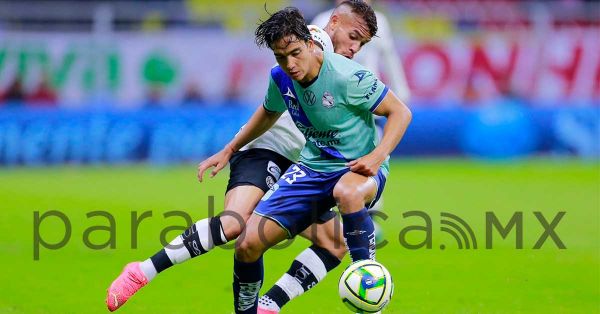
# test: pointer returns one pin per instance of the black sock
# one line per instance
(247, 281)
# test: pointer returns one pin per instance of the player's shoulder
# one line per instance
(321, 38)
(340, 64)
(346, 69)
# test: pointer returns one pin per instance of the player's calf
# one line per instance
(260, 234)
(327, 235)
(352, 193)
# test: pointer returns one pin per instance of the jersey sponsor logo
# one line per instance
(309, 97)
(289, 93)
(293, 106)
(328, 100)
(321, 138)
(361, 75)
(316, 34)
(273, 169)
(372, 90)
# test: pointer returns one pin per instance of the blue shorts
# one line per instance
(302, 195)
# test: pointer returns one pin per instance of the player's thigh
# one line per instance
(260, 234)
(252, 173)
(354, 190)
(239, 204)
(327, 235)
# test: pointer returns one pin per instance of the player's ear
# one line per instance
(334, 20)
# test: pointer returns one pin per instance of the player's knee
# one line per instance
(347, 194)
(247, 251)
(232, 227)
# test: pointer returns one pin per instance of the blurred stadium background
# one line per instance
(107, 105)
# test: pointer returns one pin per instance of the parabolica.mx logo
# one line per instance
(464, 236)
(417, 229)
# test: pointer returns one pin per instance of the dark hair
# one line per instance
(280, 24)
(365, 11)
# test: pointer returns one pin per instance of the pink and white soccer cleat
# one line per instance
(127, 284)
(267, 306)
(262, 310)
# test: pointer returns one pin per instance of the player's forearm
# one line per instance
(258, 124)
(397, 122)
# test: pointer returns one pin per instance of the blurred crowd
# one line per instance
(421, 20)
(43, 94)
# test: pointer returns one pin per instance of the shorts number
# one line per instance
(295, 174)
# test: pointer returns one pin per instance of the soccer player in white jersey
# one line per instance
(254, 170)
(379, 55)
(342, 164)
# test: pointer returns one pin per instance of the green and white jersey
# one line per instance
(334, 112)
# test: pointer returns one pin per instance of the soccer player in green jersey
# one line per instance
(255, 168)
(332, 101)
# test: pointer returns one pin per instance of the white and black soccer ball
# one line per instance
(366, 287)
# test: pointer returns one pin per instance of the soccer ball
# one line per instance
(366, 287)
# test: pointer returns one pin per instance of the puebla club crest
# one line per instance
(327, 100)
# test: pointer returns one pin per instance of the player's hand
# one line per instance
(218, 160)
(367, 165)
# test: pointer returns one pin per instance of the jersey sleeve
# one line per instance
(321, 38)
(365, 91)
(273, 100)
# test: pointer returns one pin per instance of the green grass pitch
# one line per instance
(503, 279)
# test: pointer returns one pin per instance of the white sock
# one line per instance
(196, 240)
(148, 269)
